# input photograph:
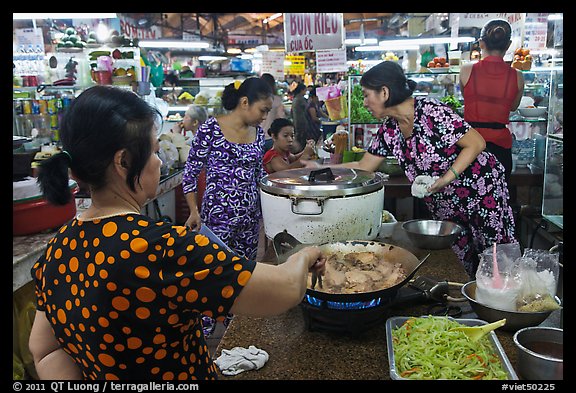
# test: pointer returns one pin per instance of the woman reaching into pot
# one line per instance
(120, 295)
(430, 139)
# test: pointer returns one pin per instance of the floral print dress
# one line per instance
(231, 200)
(478, 200)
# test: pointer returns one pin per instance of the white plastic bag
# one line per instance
(539, 272)
(499, 289)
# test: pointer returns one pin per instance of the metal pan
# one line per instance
(389, 252)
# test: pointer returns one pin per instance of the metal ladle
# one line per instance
(475, 333)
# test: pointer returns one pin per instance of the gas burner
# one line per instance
(352, 321)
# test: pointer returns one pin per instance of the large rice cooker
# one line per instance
(325, 205)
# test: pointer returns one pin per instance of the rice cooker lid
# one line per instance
(322, 182)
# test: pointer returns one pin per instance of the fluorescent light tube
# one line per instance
(358, 41)
(63, 15)
(173, 44)
(382, 48)
(427, 40)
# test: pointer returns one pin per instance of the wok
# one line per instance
(286, 245)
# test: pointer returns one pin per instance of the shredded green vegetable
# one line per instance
(424, 348)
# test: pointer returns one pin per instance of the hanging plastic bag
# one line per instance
(497, 277)
(539, 272)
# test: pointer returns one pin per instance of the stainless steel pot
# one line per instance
(327, 205)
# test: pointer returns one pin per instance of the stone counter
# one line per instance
(298, 353)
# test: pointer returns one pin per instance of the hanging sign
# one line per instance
(273, 63)
(294, 65)
(536, 30)
(306, 32)
(331, 61)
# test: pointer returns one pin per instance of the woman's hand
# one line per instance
(439, 184)
(193, 221)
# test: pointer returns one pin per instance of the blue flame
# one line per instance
(343, 305)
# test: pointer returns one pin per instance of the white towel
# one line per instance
(421, 184)
(236, 360)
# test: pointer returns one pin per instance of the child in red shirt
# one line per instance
(280, 156)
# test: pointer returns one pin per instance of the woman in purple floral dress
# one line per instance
(230, 148)
(428, 138)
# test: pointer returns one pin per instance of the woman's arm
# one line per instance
(518, 98)
(274, 289)
(50, 360)
(369, 163)
(472, 144)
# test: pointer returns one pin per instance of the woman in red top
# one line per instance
(492, 89)
(280, 157)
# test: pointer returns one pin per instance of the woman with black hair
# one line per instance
(429, 139)
(492, 89)
(120, 295)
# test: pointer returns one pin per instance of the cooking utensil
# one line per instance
(540, 353)
(316, 278)
(432, 234)
(323, 206)
(497, 279)
(204, 230)
(285, 245)
(475, 333)
(515, 320)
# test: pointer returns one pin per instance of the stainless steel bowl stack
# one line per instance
(432, 234)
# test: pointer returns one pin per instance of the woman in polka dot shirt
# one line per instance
(121, 295)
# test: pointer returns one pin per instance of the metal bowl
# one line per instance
(540, 353)
(515, 320)
(432, 234)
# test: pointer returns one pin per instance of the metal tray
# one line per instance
(395, 322)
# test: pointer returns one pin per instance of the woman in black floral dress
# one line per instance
(429, 138)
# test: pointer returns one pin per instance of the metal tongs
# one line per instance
(316, 278)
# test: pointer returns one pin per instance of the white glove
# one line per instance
(236, 360)
(421, 184)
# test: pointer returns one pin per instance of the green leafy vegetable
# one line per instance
(425, 348)
(451, 101)
(358, 113)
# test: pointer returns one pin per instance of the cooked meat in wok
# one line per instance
(358, 272)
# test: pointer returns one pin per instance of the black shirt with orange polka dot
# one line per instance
(125, 296)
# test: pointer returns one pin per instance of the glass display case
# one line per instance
(553, 190)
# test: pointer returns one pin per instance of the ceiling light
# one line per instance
(382, 48)
(173, 44)
(556, 17)
(234, 51)
(211, 58)
(272, 17)
(61, 15)
(428, 40)
(358, 41)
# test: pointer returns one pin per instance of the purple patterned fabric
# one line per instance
(231, 201)
(478, 200)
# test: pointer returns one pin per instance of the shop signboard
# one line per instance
(294, 65)
(307, 32)
(331, 61)
(536, 30)
(273, 63)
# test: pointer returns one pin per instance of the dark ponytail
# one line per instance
(53, 179)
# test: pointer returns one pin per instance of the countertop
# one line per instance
(296, 353)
